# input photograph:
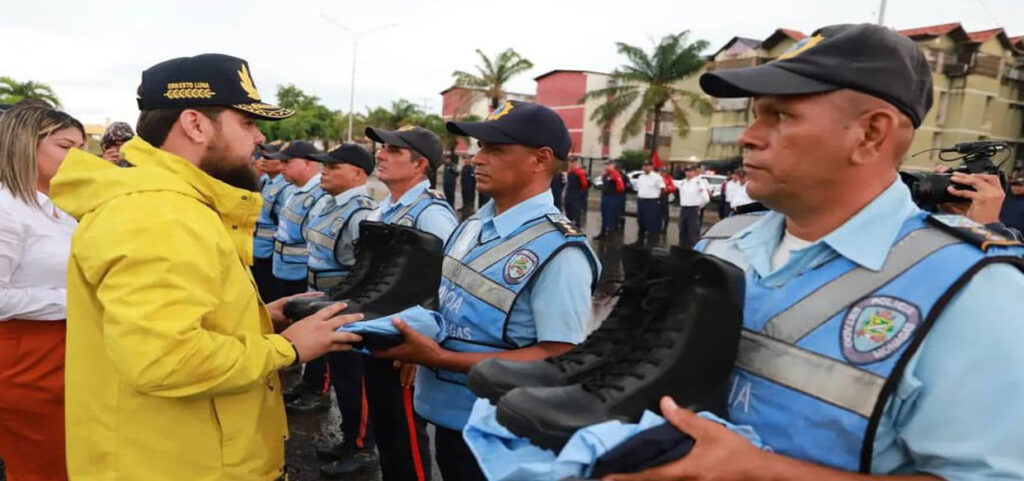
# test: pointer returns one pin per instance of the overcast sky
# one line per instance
(92, 52)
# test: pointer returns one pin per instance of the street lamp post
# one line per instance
(355, 47)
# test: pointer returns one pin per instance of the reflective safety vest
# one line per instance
(322, 232)
(480, 285)
(274, 192)
(408, 215)
(290, 253)
(820, 357)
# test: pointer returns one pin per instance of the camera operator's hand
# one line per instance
(983, 203)
(315, 335)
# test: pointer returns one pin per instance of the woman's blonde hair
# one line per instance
(22, 128)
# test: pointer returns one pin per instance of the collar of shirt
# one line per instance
(309, 185)
(865, 238)
(407, 198)
(507, 222)
(343, 197)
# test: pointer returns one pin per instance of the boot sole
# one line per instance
(524, 426)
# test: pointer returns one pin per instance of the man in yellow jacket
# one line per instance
(172, 363)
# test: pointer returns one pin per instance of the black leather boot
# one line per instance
(372, 237)
(686, 352)
(643, 271)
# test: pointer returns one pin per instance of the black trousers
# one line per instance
(689, 226)
(574, 206)
(449, 194)
(347, 378)
(648, 218)
(401, 434)
(456, 461)
(262, 272)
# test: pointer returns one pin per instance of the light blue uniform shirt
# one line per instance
(434, 219)
(958, 411)
(344, 248)
(558, 302)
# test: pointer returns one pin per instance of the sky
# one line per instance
(92, 52)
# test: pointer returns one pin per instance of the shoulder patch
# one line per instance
(970, 231)
(435, 194)
(565, 226)
(366, 202)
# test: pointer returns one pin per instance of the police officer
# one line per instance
(290, 262)
(274, 192)
(517, 275)
(558, 189)
(882, 340)
(613, 199)
(330, 233)
(468, 183)
(409, 156)
(576, 192)
(694, 194)
(649, 187)
(451, 176)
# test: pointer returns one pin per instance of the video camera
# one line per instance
(929, 189)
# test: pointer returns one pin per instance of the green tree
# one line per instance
(401, 112)
(12, 91)
(311, 120)
(632, 159)
(492, 75)
(652, 79)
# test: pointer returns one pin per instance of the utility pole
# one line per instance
(355, 47)
(881, 13)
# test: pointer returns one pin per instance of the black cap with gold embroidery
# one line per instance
(210, 79)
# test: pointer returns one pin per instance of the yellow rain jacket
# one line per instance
(172, 367)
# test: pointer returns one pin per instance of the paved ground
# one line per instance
(310, 429)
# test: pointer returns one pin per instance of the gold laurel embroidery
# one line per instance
(266, 111)
(189, 93)
(247, 83)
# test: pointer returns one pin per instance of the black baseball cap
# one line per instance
(210, 79)
(270, 147)
(867, 58)
(520, 123)
(348, 154)
(427, 143)
(297, 148)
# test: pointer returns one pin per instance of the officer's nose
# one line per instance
(752, 138)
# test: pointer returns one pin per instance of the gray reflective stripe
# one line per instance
(731, 226)
(265, 232)
(478, 285)
(287, 250)
(321, 283)
(405, 210)
(315, 237)
(816, 308)
(292, 216)
(827, 379)
(510, 245)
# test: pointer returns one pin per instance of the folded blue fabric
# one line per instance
(380, 333)
(503, 456)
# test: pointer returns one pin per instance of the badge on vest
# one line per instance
(970, 231)
(520, 265)
(876, 327)
(308, 202)
(336, 225)
(405, 221)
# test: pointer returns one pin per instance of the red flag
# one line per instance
(656, 160)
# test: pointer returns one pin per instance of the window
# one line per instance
(726, 135)
(731, 104)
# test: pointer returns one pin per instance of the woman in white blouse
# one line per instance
(35, 241)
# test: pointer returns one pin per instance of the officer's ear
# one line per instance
(546, 160)
(199, 127)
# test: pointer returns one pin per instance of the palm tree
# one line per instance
(653, 80)
(12, 91)
(492, 76)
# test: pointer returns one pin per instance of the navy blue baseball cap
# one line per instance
(296, 149)
(520, 123)
(347, 154)
(866, 58)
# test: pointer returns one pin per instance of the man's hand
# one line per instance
(717, 454)
(986, 200)
(276, 308)
(415, 348)
(315, 335)
(113, 154)
(406, 373)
